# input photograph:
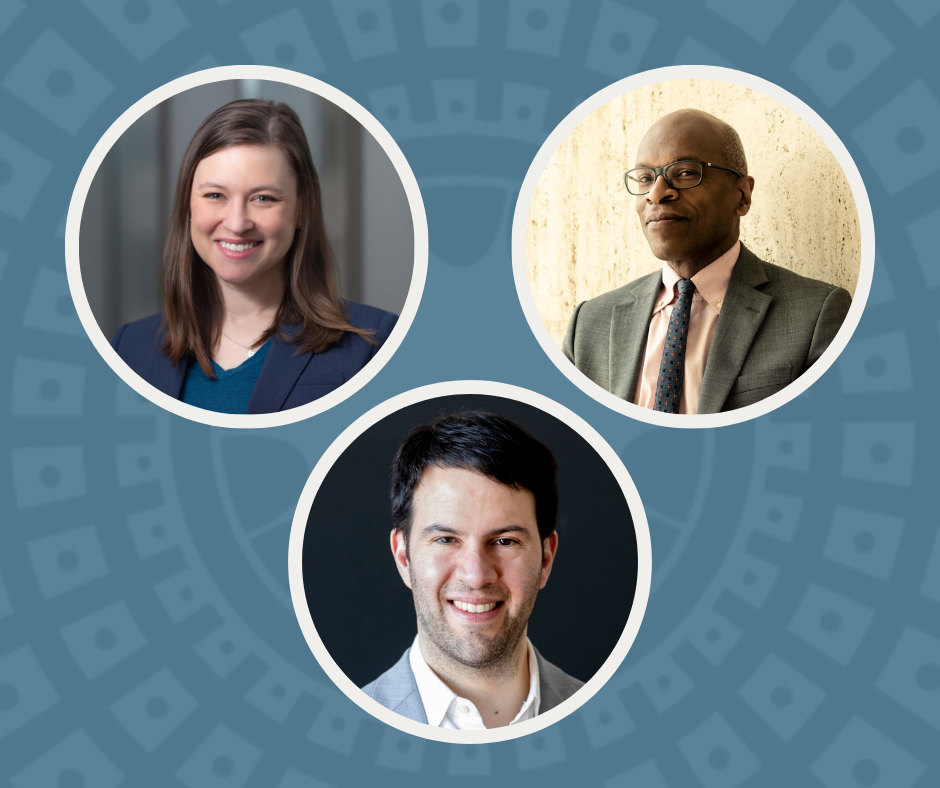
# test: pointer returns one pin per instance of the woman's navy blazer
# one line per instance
(287, 379)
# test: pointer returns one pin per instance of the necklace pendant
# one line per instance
(251, 353)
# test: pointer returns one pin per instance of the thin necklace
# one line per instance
(247, 347)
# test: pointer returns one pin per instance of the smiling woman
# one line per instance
(252, 319)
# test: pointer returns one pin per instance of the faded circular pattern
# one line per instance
(791, 634)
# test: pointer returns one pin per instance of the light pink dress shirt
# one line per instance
(711, 284)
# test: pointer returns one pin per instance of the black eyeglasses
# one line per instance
(685, 174)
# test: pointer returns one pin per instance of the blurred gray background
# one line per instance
(368, 220)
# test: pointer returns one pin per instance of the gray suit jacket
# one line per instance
(396, 688)
(774, 324)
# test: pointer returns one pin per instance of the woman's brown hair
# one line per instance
(192, 303)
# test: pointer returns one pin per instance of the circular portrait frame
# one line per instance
(586, 432)
(527, 194)
(270, 74)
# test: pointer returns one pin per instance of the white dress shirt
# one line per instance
(445, 709)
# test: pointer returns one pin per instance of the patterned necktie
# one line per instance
(672, 367)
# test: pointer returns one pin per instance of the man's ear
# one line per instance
(549, 546)
(745, 188)
(399, 542)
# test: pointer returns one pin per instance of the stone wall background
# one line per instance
(583, 237)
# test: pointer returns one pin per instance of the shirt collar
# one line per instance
(711, 282)
(438, 698)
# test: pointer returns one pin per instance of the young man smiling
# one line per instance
(474, 504)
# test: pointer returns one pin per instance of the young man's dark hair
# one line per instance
(482, 442)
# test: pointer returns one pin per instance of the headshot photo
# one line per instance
(246, 247)
(470, 538)
(693, 247)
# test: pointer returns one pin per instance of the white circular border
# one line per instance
(357, 428)
(73, 264)
(527, 193)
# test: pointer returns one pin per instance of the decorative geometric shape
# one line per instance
(877, 364)
(103, 639)
(141, 26)
(275, 694)
(605, 720)
(284, 40)
(782, 697)
(50, 306)
(895, 139)
(224, 649)
(455, 102)
(295, 779)
(923, 233)
(9, 10)
(524, 108)
(717, 755)
(621, 37)
(882, 291)
(182, 595)
(920, 12)
(831, 623)
(863, 756)
(367, 27)
(879, 452)
(930, 588)
(152, 531)
(864, 541)
(646, 775)
(751, 579)
(773, 514)
(67, 560)
(391, 106)
(47, 388)
(842, 53)
(713, 636)
(336, 726)
(400, 751)
(73, 763)
(223, 760)
(451, 23)
(665, 684)
(694, 51)
(48, 475)
(154, 709)
(781, 445)
(56, 81)
(537, 26)
(22, 174)
(136, 463)
(25, 691)
(469, 760)
(912, 675)
(543, 748)
(758, 20)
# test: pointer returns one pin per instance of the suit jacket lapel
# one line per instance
(629, 327)
(167, 377)
(282, 366)
(742, 312)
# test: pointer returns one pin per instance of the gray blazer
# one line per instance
(774, 324)
(396, 689)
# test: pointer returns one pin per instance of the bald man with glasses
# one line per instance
(717, 328)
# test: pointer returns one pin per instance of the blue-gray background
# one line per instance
(146, 634)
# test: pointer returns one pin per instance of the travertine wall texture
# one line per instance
(584, 238)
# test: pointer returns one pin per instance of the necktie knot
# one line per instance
(685, 286)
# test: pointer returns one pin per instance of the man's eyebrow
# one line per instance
(681, 158)
(440, 528)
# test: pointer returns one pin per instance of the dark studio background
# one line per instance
(364, 613)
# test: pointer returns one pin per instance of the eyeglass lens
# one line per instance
(681, 174)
